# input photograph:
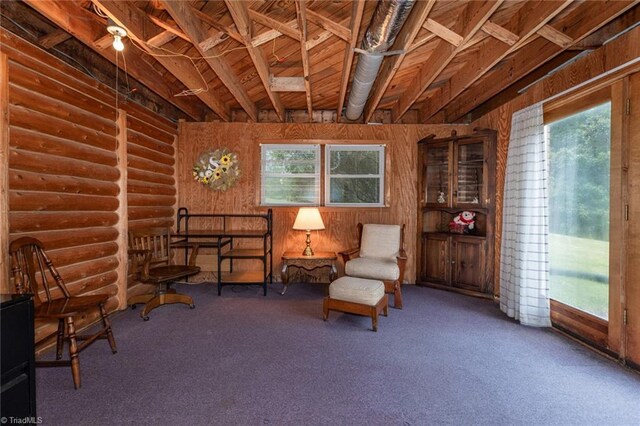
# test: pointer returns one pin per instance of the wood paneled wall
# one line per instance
(600, 68)
(64, 170)
(340, 223)
(600, 64)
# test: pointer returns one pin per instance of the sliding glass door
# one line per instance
(579, 186)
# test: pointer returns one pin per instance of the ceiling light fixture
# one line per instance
(118, 33)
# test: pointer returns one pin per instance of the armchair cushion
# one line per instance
(380, 241)
(374, 268)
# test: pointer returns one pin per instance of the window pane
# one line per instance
(355, 162)
(281, 161)
(290, 174)
(355, 190)
(579, 173)
(290, 190)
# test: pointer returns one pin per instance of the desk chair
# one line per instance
(150, 253)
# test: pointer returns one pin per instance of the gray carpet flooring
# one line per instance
(245, 359)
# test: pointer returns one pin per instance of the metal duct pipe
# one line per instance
(381, 33)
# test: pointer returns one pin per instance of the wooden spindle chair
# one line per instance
(150, 253)
(33, 272)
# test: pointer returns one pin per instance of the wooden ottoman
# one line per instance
(358, 296)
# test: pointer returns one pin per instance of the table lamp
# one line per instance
(308, 219)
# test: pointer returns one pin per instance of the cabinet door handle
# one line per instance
(453, 261)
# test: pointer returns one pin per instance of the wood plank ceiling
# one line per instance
(247, 60)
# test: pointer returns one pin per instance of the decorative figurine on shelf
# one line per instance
(441, 198)
(463, 223)
(475, 200)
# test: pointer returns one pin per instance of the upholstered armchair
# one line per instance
(379, 256)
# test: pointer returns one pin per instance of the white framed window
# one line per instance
(354, 175)
(290, 175)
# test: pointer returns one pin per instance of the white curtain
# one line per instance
(524, 258)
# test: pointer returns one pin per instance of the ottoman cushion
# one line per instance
(357, 290)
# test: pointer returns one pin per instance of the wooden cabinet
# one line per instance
(18, 357)
(457, 174)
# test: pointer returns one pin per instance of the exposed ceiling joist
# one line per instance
(269, 35)
(214, 23)
(82, 24)
(161, 39)
(323, 36)
(169, 26)
(555, 36)
(443, 32)
(329, 25)
(474, 16)
(586, 18)
(301, 11)
(282, 27)
(287, 84)
(500, 33)
(522, 26)
(449, 57)
(137, 25)
(183, 14)
(54, 38)
(240, 14)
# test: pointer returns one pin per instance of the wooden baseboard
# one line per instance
(457, 290)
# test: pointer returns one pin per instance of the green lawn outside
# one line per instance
(580, 255)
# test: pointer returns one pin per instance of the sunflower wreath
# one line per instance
(217, 169)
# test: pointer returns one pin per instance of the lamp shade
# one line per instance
(308, 219)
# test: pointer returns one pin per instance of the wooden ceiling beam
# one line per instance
(82, 24)
(214, 39)
(301, 14)
(269, 35)
(443, 32)
(240, 14)
(183, 14)
(138, 25)
(357, 10)
(161, 39)
(529, 19)
(214, 23)
(473, 17)
(421, 41)
(274, 24)
(54, 38)
(585, 19)
(391, 64)
(329, 25)
(323, 36)
(500, 33)
(287, 84)
(513, 91)
(170, 26)
(555, 36)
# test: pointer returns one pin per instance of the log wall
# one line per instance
(340, 233)
(64, 176)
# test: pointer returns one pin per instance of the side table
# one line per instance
(322, 259)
